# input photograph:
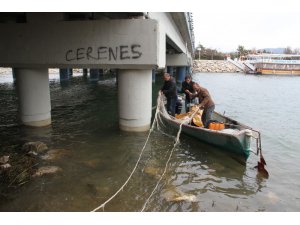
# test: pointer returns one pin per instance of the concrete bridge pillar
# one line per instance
(64, 74)
(70, 72)
(181, 72)
(188, 70)
(34, 97)
(95, 74)
(84, 72)
(170, 70)
(153, 76)
(13, 74)
(135, 99)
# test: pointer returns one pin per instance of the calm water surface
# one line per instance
(101, 157)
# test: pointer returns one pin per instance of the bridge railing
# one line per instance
(190, 24)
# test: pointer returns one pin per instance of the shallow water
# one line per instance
(199, 177)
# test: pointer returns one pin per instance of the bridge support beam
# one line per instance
(34, 96)
(153, 76)
(13, 74)
(170, 70)
(181, 72)
(135, 99)
(64, 74)
(188, 70)
(95, 74)
(84, 72)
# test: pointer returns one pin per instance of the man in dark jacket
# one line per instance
(169, 89)
(205, 101)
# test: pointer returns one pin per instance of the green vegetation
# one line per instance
(204, 53)
(208, 54)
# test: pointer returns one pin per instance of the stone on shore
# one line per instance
(34, 147)
(55, 154)
(46, 170)
(4, 159)
(214, 66)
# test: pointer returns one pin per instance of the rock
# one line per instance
(36, 146)
(204, 166)
(173, 195)
(153, 171)
(4, 159)
(272, 197)
(187, 197)
(46, 170)
(54, 154)
(214, 66)
(33, 153)
(5, 166)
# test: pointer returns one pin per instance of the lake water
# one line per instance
(101, 157)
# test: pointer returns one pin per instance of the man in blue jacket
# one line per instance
(169, 89)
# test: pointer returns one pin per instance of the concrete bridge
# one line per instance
(134, 43)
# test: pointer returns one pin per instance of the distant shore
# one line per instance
(8, 70)
(214, 66)
(199, 66)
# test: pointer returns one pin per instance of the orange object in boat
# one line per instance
(197, 121)
(216, 126)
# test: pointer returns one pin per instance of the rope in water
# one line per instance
(171, 153)
(165, 170)
(155, 122)
(140, 156)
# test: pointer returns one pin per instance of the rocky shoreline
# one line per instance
(214, 66)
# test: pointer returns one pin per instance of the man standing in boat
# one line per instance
(169, 89)
(187, 88)
(205, 102)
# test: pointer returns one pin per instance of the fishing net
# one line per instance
(191, 117)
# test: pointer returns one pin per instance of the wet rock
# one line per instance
(204, 166)
(37, 147)
(172, 194)
(32, 153)
(211, 170)
(47, 170)
(272, 197)
(153, 171)
(4, 159)
(5, 166)
(185, 197)
(55, 154)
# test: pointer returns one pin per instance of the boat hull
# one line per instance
(280, 72)
(237, 142)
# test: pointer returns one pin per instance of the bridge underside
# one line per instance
(135, 43)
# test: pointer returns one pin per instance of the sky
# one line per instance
(269, 26)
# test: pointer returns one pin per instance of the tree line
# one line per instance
(204, 53)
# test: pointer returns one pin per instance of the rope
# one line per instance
(155, 122)
(165, 169)
(142, 151)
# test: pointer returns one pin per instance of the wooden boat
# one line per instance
(235, 138)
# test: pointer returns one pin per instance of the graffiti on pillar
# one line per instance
(120, 52)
